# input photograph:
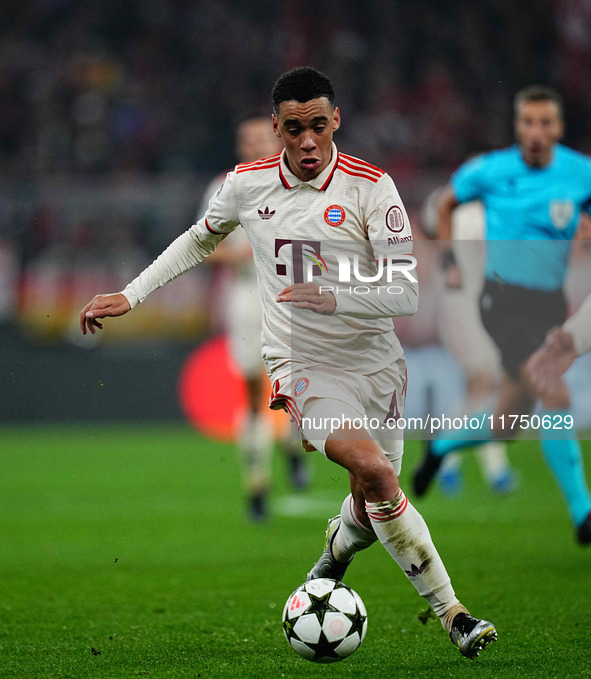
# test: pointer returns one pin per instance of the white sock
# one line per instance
(493, 459)
(352, 536)
(451, 462)
(404, 534)
(256, 442)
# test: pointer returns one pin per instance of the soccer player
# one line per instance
(255, 140)
(533, 194)
(549, 363)
(330, 349)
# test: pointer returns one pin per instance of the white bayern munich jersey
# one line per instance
(335, 230)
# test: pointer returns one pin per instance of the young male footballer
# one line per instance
(328, 341)
(534, 193)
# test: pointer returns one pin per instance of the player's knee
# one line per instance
(358, 507)
(368, 464)
(375, 474)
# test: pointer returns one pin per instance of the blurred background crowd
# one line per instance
(111, 87)
(115, 114)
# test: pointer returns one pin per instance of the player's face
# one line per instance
(538, 126)
(255, 139)
(306, 130)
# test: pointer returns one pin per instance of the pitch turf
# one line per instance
(125, 552)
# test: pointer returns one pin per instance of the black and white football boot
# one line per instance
(471, 635)
(327, 566)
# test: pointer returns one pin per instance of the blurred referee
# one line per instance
(534, 193)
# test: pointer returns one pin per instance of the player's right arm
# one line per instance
(189, 249)
(230, 253)
(467, 183)
(447, 204)
(101, 306)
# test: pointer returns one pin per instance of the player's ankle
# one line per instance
(447, 618)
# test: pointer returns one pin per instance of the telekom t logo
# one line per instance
(297, 259)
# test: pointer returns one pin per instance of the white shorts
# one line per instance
(321, 399)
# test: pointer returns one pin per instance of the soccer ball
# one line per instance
(324, 620)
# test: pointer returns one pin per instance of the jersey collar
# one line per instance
(321, 182)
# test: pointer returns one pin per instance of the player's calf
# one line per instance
(404, 534)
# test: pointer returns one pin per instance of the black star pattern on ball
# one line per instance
(320, 606)
(326, 649)
(357, 621)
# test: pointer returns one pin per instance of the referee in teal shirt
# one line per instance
(533, 195)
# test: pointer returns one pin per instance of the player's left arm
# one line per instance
(388, 229)
(390, 235)
(549, 363)
(309, 296)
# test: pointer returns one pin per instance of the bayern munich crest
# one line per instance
(395, 219)
(334, 215)
(301, 385)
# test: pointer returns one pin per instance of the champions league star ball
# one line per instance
(324, 620)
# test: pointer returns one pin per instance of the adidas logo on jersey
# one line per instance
(266, 214)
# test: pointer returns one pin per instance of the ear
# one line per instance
(276, 131)
(336, 119)
(561, 130)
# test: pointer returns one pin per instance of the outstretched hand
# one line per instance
(308, 296)
(115, 304)
(549, 363)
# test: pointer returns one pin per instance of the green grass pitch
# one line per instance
(125, 552)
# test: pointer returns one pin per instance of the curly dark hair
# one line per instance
(302, 84)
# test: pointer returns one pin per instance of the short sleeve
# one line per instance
(468, 181)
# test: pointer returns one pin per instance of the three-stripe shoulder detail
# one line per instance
(262, 164)
(359, 168)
